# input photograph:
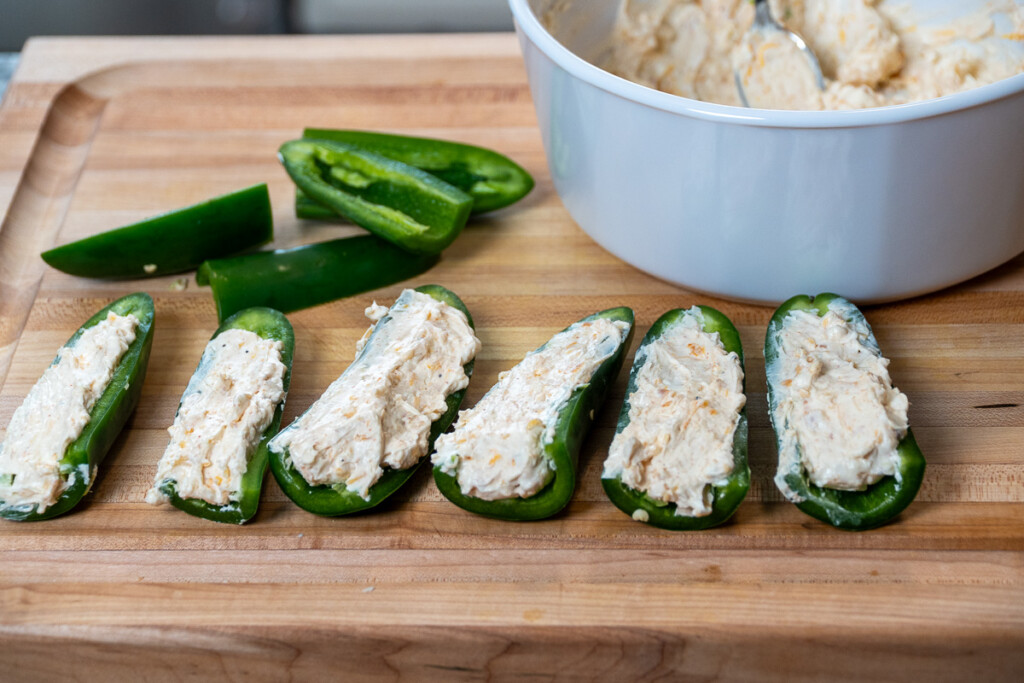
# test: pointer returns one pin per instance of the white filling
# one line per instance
(56, 411)
(228, 404)
(840, 418)
(682, 419)
(775, 72)
(379, 412)
(497, 448)
(872, 52)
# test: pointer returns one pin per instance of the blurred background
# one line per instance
(22, 19)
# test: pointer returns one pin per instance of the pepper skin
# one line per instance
(172, 242)
(573, 423)
(109, 414)
(493, 180)
(334, 501)
(726, 497)
(268, 324)
(852, 510)
(395, 201)
(291, 279)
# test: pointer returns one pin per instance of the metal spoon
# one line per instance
(764, 21)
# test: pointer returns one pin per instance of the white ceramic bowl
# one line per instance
(875, 205)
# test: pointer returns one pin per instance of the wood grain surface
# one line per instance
(96, 133)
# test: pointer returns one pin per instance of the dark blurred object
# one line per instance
(21, 19)
(400, 16)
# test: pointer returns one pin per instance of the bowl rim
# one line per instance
(529, 25)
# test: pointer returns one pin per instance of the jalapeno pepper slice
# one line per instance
(395, 201)
(853, 510)
(572, 424)
(172, 242)
(272, 325)
(727, 496)
(493, 180)
(334, 501)
(109, 414)
(291, 279)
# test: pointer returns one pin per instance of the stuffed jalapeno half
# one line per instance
(368, 433)
(679, 456)
(216, 459)
(62, 431)
(846, 452)
(514, 455)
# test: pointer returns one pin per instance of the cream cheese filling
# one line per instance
(379, 412)
(839, 416)
(683, 415)
(872, 52)
(775, 72)
(228, 404)
(56, 411)
(497, 448)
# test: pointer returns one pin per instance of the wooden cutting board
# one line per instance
(96, 133)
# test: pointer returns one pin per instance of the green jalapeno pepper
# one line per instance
(395, 201)
(854, 510)
(726, 496)
(109, 414)
(334, 501)
(172, 242)
(291, 279)
(272, 325)
(493, 180)
(571, 427)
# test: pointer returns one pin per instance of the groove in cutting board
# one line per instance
(38, 208)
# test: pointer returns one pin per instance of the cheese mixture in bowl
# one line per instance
(497, 448)
(56, 411)
(838, 415)
(683, 415)
(228, 404)
(378, 414)
(873, 53)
